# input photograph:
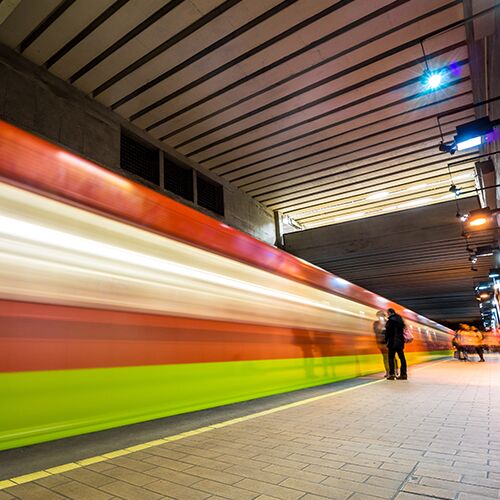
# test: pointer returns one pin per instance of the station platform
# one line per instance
(436, 435)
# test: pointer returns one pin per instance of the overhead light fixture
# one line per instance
(470, 135)
(486, 251)
(494, 273)
(434, 80)
(455, 190)
(480, 219)
(469, 143)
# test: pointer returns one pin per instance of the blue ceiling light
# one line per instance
(434, 80)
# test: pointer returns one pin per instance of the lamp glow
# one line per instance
(478, 222)
(433, 80)
(469, 143)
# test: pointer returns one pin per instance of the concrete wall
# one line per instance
(415, 257)
(35, 100)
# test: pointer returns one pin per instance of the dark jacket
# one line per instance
(394, 332)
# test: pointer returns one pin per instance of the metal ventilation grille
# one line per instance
(179, 180)
(137, 158)
(210, 195)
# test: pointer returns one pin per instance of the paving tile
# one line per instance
(209, 463)
(437, 473)
(129, 476)
(362, 496)
(225, 490)
(261, 474)
(173, 475)
(320, 489)
(198, 451)
(479, 481)
(173, 490)
(168, 463)
(164, 452)
(54, 480)
(80, 491)
(129, 491)
(281, 461)
(339, 473)
(419, 489)
(285, 472)
(214, 475)
(132, 464)
(32, 491)
(100, 466)
(88, 477)
(250, 462)
(391, 484)
(356, 487)
(411, 496)
(270, 489)
(460, 487)
(324, 460)
(372, 471)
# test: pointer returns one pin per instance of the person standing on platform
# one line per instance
(379, 331)
(394, 336)
(478, 340)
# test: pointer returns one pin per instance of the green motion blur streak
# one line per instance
(45, 405)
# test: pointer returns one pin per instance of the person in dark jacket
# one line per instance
(395, 343)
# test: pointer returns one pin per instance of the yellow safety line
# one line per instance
(33, 476)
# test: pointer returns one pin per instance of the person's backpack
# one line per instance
(407, 335)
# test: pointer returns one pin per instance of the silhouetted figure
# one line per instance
(478, 339)
(379, 331)
(394, 337)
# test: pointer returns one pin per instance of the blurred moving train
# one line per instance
(120, 305)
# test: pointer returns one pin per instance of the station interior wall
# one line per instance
(41, 103)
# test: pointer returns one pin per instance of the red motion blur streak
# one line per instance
(33, 163)
(45, 337)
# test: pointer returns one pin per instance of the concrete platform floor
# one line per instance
(436, 435)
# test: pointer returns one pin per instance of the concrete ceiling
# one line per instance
(313, 107)
(417, 257)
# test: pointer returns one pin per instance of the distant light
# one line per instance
(478, 222)
(469, 143)
(378, 196)
(433, 80)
